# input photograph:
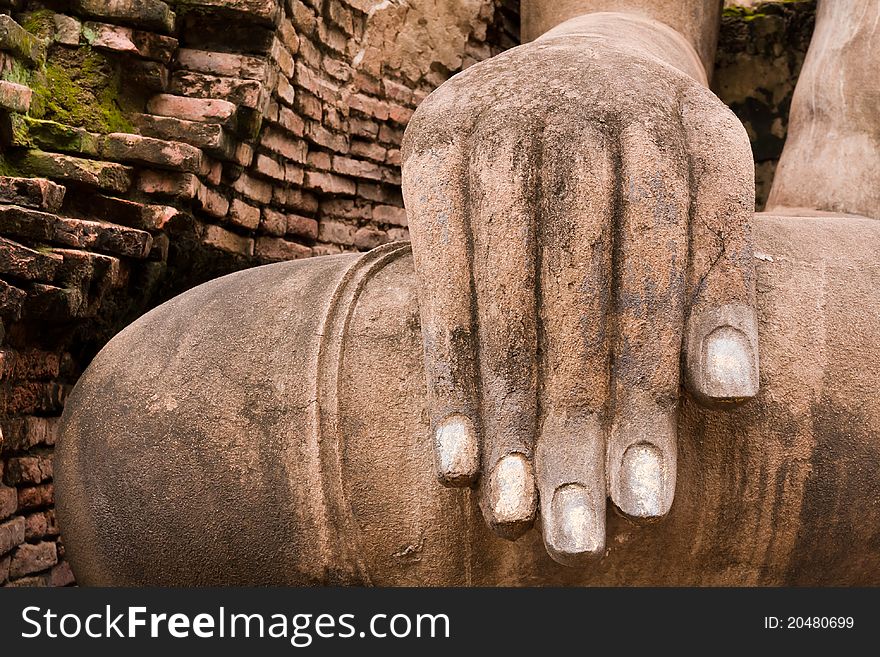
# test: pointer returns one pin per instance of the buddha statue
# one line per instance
(587, 295)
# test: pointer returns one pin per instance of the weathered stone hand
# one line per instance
(580, 213)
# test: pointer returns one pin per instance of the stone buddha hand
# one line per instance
(580, 212)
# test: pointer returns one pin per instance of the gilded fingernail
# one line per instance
(512, 497)
(728, 363)
(642, 492)
(458, 452)
(574, 529)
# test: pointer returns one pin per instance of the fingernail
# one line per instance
(458, 452)
(641, 482)
(512, 499)
(574, 530)
(728, 363)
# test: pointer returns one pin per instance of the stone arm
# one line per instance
(831, 159)
(580, 209)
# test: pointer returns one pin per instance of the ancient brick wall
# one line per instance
(147, 146)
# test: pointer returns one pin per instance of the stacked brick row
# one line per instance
(146, 146)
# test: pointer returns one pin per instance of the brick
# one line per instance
(400, 115)
(288, 36)
(61, 575)
(293, 174)
(368, 106)
(310, 54)
(15, 97)
(118, 39)
(208, 136)
(37, 193)
(102, 175)
(149, 14)
(367, 238)
(8, 501)
(67, 30)
(341, 16)
(4, 569)
(397, 92)
(302, 226)
(138, 149)
(244, 215)
(332, 38)
(291, 121)
(142, 216)
(213, 202)
(209, 110)
(366, 83)
(303, 18)
(309, 106)
(319, 160)
(244, 154)
(223, 63)
(323, 137)
(256, 190)
(27, 470)
(315, 84)
(356, 168)
(363, 127)
(336, 232)
(398, 235)
(22, 262)
(279, 142)
(11, 300)
(226, 241)
(29, 364)
(273, 222)
(248, 93)
(389, 135)
(389, 214)
(368, 149)
(14, 38)
(329, 183)
(36, 496)
(149, 75)
(326, 249)
(40, 525)
(260, 12)
(32, 558)
(79, 233)
(277, 249)
(11, 534)
(346, 209)
(41, 580)
(393, 157)
(285, 91)
(266, 166)
(335, 120)
(283, 58)
(24, 433)
(380, 193)
(168, 183)
(391, 176)
(47, 303)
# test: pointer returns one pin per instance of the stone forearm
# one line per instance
(831, 161)
(696, 20)
(305, 461)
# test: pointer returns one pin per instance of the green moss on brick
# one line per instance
(79, 88)
(40, 23)
(17, 73)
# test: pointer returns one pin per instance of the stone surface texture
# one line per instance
(335, 486)
(148, 146)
